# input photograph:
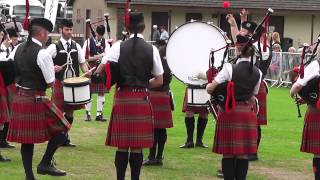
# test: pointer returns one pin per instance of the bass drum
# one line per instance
(189, 48)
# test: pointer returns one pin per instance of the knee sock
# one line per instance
(242, 166)
(27, 155)
(228, 168)
(135, 165)
(161, 142)
(121, 162)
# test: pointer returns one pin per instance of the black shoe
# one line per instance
(219, 173)
(5, 144)
(4, 159)
(100, 118)
(159, 161)
(253, 157)
(149, 162)
(69, 145)
(50, 170)
(88, 117)
(200, 144)
(187, 145)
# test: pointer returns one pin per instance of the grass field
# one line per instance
(279, 153)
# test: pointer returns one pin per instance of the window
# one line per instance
(88, 14)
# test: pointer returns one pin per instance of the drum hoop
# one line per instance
(85, 83)
(216, 27)
(77, 103)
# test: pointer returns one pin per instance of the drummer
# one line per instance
(59, 59)
(190, 123)
(35, 119)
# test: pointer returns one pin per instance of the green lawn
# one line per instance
(280, 157)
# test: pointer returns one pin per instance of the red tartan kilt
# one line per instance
(34, 121)
(195, 109)
(4, 106)
(131, 122)
(236, 132)
(160, 101)
(98, 88)
(57, 98)
(262, 98)
(311, 132)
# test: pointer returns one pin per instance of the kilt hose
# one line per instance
(311, 131)
(236, 131)
(262, 98)
(57, 98)
(131, 122)
(195, 109)
(35, 119)
(161, 106)
(4, 104)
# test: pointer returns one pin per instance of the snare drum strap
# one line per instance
(230, 100)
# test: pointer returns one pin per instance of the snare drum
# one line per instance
(76, 91)
(188, 51)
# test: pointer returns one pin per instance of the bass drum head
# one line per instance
(189, 48)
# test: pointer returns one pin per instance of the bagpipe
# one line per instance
(224, 95)
(310, 92)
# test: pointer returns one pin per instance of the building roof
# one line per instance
(300, 5)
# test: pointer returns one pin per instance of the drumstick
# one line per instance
(88, 72)
(65, 65)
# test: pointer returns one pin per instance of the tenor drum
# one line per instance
(76, 91)
(188, 52)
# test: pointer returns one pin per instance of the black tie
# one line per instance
(8, 52)
(68, 47)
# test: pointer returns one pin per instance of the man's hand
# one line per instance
(231, 20)
(57, 68)
(244, 15)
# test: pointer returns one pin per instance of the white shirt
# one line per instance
(265, 55)
(87, 44)
(114, 53)
(226, 75)
(164, 35)
(44, 61)
(310, 72)
(52, 49)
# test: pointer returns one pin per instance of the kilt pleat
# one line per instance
(195, 109)
(160, 101)
(58, 99)
(262, 98)
(311, 131)
(131, 122)
(34, 121)
(236, 131)
(4, 104)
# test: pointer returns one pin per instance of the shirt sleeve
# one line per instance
(106, 49)
(45, 62)
(225, 74)
(310, 72)
(81, 54)
(52, 50)
(257, 86)
(84, 47)
(157, 69)
(113, 54)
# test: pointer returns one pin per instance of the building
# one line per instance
(297, 21)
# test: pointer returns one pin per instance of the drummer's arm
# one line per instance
(82, 60)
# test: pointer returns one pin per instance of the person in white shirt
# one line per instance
(311, 134)
(131, 123)
(164, 33)
(9, 42)
(35, 119)
(58, 53)
(95, 48)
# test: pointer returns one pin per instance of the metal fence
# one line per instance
(281, 64)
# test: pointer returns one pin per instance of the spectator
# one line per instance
(164, 34)
(155, 33)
